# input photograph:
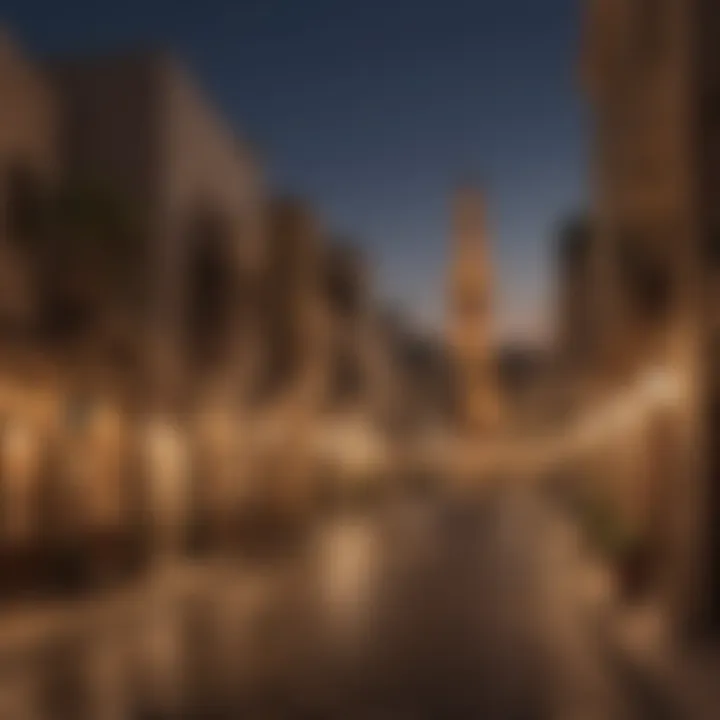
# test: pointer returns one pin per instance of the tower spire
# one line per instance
(470, 330)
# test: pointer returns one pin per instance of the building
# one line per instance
(291, 388)
(470, 316)
(295, 312)
(28, 398)
(131, 236)
(642, 72)
(575, 332)
(348, 300)
(169, 337)
(652, 75)
(28, 165)
(139, 127)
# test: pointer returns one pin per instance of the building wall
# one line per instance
(28, 164)
(645, 211)
(347, 293)
(207, 172)
(27, 113)
(109, 124)
(296, 316)
(203, 161)
(138, 126)
(576, 327)
(709, 133)
(652, 78)
(708, 153)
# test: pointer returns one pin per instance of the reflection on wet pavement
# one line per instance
(409, 611)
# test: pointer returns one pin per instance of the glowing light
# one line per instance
(168, 472)
(351, 444)
(19, 465)
(19, 446)
(662, 387)
(349, 573)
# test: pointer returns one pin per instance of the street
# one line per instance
(416, 609)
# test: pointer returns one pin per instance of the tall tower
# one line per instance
(476, 392)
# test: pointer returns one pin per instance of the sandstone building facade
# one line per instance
(161, 315)
(141, 127)
(652, 73)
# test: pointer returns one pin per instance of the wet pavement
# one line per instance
(416, 609)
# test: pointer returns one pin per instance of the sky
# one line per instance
(375, 110)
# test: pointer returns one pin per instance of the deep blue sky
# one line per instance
(376, 109)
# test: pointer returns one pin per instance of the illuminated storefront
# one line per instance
(26, 416)
(168, 476)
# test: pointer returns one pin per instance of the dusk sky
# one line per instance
(375, 110)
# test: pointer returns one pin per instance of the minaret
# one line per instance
(469, 320)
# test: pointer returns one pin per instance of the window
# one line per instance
(646, 278)
(25, 204)
(210, 288)
(64, 317)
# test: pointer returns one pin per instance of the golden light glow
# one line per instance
(19, 469)
(169, 474)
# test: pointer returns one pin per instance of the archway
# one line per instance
(211, 284)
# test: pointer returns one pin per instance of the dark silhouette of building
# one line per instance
(576, 322)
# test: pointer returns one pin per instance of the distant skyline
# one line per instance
(375, 111)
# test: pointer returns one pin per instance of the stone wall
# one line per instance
(28, 164)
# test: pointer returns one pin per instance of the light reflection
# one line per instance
(349, 561)
(106, 665)
(158, 658)
(20, 454)
(19, 696)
